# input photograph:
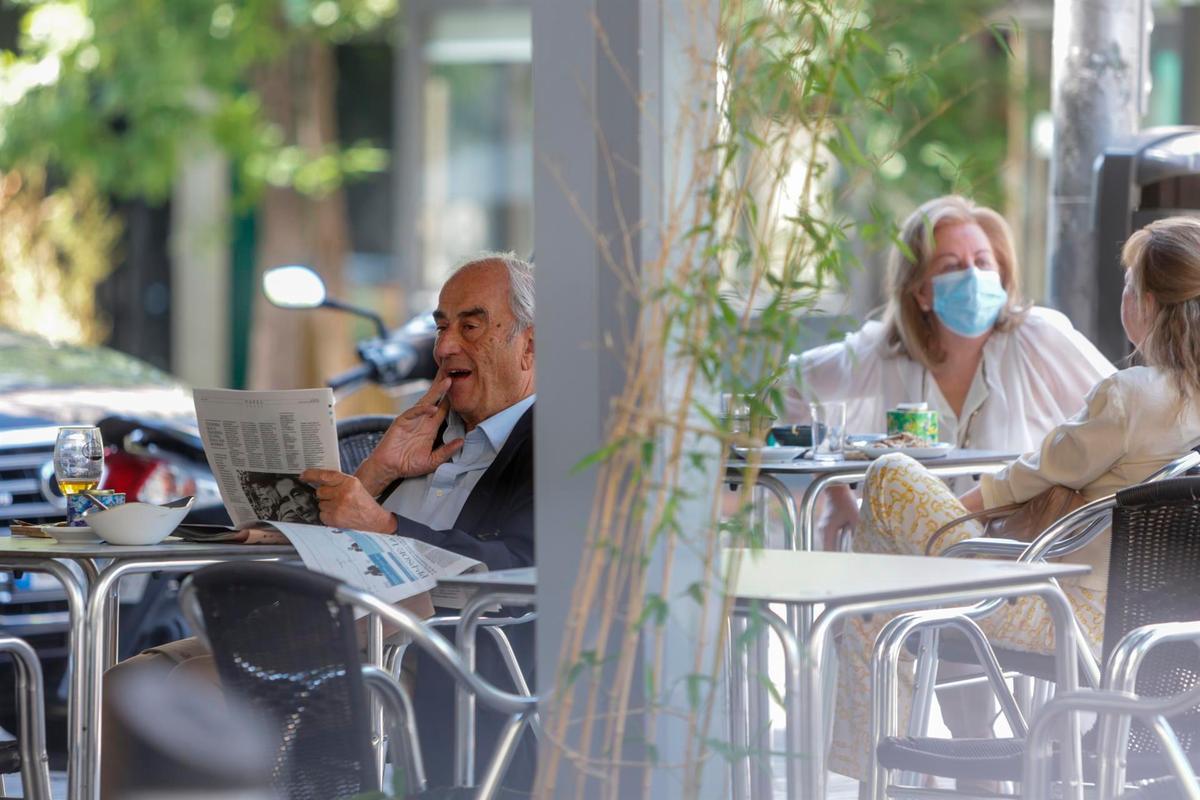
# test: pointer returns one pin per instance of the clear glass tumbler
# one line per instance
(828, 430)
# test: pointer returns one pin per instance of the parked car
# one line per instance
(152, 453)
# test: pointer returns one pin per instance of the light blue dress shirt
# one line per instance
(437, 499)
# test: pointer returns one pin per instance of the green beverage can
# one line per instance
(915, 419)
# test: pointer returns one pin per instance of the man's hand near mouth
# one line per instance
(407, 449)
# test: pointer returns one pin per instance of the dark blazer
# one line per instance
(495, 526)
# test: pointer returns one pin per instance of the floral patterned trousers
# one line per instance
(902, 506)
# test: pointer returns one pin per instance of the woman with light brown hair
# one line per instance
(1133, 423)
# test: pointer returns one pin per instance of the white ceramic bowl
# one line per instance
(138, 523)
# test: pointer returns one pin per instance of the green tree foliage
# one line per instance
(940, 68)
(117, 89)
(54, 248)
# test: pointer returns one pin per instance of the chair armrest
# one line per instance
(447, 620)
(440, 650)
(1065, 536)
(1129, 653)
(1069, 534)
(986, 546)
(1083, 529)
(31, 720)
(889, 645)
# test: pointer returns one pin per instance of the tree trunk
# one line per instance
(1097, 92)
(293, 349)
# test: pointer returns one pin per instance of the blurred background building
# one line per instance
(402, 142)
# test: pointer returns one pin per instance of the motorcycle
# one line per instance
(389, 359)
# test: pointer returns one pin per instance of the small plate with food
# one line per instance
(770, 455)
(900, 443)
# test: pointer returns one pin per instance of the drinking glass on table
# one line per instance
(828, 430)
(737, 410)
(78, 459)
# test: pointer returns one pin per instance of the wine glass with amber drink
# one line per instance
(78, 459)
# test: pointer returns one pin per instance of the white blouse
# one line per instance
(1030, 378)
(1134, 422)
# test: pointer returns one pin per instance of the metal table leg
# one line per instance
(375, 656)
(98, 635)
(759, 708)
(793, 748)
(739, 738)
(76, 691)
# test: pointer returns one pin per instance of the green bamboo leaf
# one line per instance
(655, 610)
(695, 687)
(998, 33)
(603, 454)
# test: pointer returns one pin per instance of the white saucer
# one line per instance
(770, 455)
(66, 534)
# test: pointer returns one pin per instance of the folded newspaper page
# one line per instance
(257, 444)
(393, 568)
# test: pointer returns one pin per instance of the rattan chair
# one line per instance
(1154, 577)
(357, 437)
(285, 639)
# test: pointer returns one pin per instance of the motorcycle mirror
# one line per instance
(294, 286)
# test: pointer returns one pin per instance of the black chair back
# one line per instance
(357, 437)
(282, 641)
(1154, 576)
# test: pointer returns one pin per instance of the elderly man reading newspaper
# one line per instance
(454, 471)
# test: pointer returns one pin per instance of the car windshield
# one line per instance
(30, 362)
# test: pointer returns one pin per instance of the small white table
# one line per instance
(93, 608)
(848, 584)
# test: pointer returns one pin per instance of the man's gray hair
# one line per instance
(520, 284)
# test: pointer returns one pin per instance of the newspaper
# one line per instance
(393, 568)
(259, 442)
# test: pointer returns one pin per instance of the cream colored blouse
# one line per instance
(1134, 423)
(1030, 379)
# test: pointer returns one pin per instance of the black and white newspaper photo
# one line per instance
(259, 442)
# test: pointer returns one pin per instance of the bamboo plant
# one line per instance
(770, 217)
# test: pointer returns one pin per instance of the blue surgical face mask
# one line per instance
(967, 301)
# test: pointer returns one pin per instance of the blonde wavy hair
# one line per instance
(909, 330)
(1163, 260)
